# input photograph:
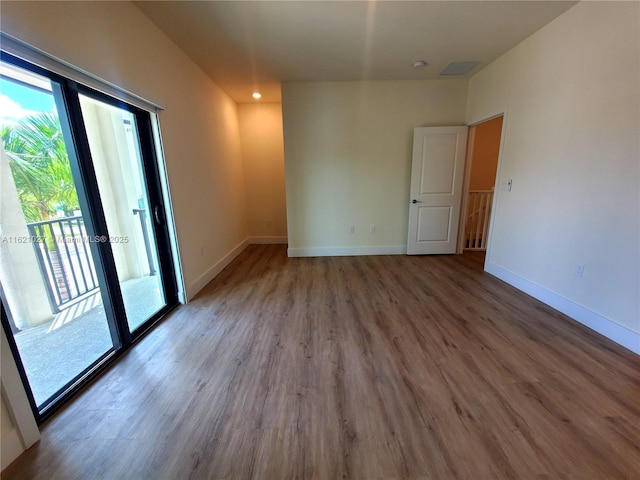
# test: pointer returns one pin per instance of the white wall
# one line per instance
(263, 160)
(8, 436)
(348, 159)
(18, 429)
(20, 275)
(118, 43)
(572, 150)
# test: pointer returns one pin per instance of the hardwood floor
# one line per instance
(360, 367)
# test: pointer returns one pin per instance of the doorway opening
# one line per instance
(483, 152)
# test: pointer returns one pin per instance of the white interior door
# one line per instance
(436, 189)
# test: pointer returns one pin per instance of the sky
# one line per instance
(18, 101)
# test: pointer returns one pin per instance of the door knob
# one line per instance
(415, 201)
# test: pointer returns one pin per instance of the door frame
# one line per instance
(66, 91)
(503, 112)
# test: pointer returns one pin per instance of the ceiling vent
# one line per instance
(459, 68)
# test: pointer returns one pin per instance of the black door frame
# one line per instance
(66, 94)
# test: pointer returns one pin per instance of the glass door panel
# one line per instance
(48, 268)
(115, 149)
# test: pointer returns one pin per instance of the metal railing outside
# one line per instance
(62, 249)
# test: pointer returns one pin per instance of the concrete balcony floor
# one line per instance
(57, 351)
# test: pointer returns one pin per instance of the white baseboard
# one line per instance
(610, 329)
(268, 240)
(347, 251)
(194, 287)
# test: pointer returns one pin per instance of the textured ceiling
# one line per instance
(254, 45)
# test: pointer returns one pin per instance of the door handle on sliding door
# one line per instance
(157, 215)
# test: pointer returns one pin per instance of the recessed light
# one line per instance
(257, 95)
(419, 64)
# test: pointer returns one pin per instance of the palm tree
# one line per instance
(40, 166)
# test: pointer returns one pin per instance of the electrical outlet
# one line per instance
(372, 229)
(579, 270)
(352, 229)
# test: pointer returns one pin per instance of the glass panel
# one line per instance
(115, 149)
(47, 272)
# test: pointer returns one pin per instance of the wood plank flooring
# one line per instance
(360, 367)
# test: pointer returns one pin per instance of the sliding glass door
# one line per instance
(85, 264)
(48, 270)
(117, 159)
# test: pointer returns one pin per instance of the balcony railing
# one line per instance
(62, 250)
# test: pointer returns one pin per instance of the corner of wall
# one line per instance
(199, 283)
